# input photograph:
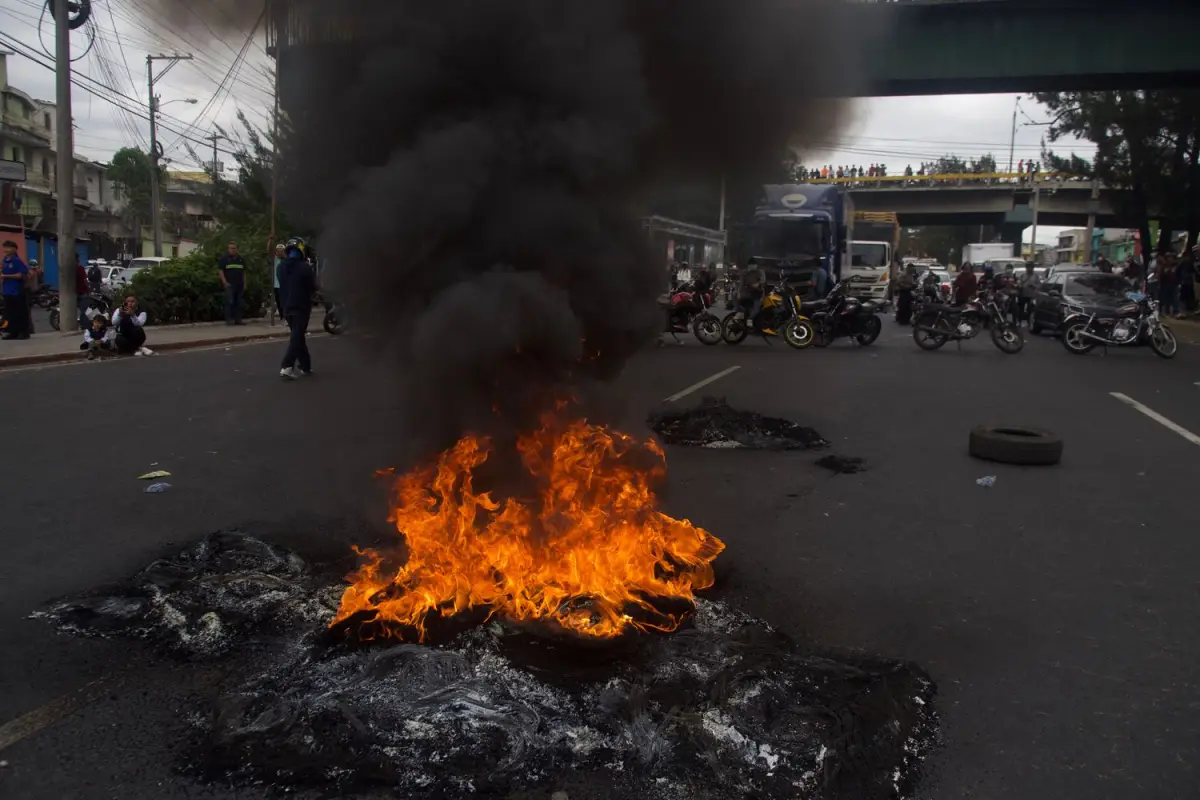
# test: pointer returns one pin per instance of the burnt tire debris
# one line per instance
(1013, 444)
(714, 423)
(724, 708)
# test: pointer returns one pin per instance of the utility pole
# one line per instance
(1037, 193)
(214, 137)
(721, 223)
(155, 146)
(1012, 139)
(64, 165)
(1091, 222)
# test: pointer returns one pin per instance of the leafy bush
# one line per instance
(187, 289)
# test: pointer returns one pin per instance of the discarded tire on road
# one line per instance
(1010, 444)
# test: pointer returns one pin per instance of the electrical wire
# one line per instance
(100, 90)
(42, 41)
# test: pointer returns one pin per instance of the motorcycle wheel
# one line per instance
(331, 323)
(931, 341)
(1008, 338)
(734, 330)
(54, 318)
(1163, 342)
(874, 326)
(799, 333)
(1074, 341)
(707, 329)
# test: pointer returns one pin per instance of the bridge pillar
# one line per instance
(1010, 233)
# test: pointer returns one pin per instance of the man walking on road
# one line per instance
(232, 269)
(297, 281)
(16, 307)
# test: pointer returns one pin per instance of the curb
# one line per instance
(165, 347)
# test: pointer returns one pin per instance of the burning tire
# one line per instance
(1008, 444)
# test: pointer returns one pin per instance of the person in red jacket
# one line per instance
(966, 286)
(82, 289)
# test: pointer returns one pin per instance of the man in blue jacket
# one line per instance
(297, 281)
(16, 307)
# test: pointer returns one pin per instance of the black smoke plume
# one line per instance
(476, 171)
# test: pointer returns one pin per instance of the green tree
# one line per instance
(1147, 152)
(130, 172)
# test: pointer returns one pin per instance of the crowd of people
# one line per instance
(930, 172)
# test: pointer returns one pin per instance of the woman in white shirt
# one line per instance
(130, 324)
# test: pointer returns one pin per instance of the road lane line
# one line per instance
(1157, 417)
(701, 384)
(26, 725)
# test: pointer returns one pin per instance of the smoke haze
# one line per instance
(477, 173)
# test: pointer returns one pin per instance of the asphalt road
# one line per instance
(1056, 610)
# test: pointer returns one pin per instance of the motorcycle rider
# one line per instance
(1030, 283)
(904, 288)
(966, 286)
(752, 292)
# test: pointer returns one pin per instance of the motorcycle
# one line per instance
(780, 315)
(1133, 324)
(687, 309)
(94, 300)
(45, 297)
(840, 315)
(940, 323)
(923, 296)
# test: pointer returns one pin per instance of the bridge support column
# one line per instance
(1011, 234)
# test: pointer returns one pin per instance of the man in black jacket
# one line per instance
(297, 281)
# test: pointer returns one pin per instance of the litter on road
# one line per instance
(157, 488)
(987, 481)
(158, 473)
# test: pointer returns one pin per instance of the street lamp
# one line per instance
(190, 101)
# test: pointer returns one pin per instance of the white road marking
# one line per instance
(1159, 418)
(55, 711)
(701, 384)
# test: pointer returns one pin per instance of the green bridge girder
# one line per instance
(980, 46)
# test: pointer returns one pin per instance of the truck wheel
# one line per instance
(1010, 444)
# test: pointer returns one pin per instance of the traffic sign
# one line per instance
(12, 171)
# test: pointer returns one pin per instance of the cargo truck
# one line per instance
(799, 228)
(982, 252)
(876, 238)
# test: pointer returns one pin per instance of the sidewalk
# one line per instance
(43, 348)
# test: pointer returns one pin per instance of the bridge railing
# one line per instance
(950, 180)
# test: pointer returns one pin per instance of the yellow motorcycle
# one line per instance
(780, 316)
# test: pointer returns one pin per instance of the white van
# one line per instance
(134, 266)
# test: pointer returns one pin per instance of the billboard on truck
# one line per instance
(799, 228)
(981, 252)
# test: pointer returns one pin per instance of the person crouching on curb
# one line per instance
(130, 327)
(99, 337)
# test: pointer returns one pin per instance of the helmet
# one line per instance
(297, 244)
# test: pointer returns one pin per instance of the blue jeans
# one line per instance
(233, 302)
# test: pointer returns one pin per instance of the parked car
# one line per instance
(135, 266)
(1082, 291)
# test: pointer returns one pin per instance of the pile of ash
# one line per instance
(713, 423)
(724, 708)
(202, 600)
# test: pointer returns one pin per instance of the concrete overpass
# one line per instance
(997, 199)
(925, 47)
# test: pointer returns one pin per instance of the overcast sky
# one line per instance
(894, 131)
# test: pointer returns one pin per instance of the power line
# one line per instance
(104, 92)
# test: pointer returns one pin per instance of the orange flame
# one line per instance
(590, 554)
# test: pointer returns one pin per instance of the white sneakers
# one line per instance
(289, 374)
(144, 351)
